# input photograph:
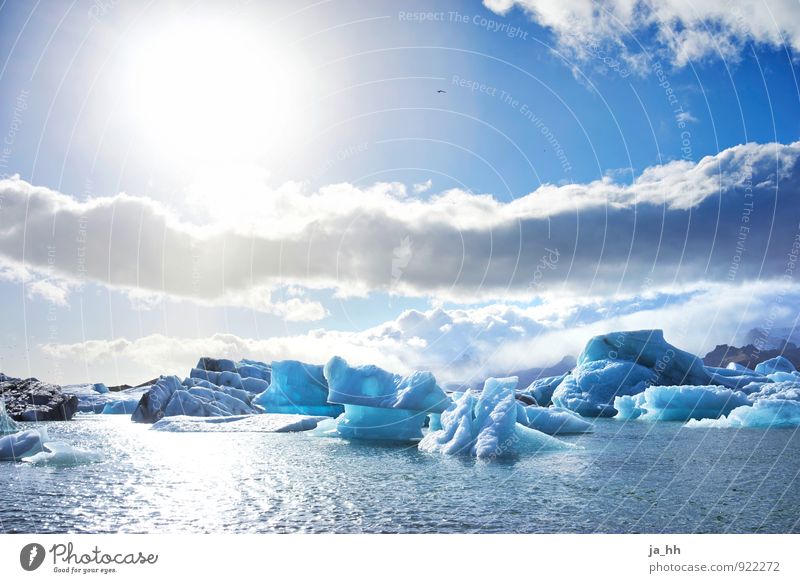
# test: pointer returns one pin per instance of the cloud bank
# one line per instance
(687, 30)
(465, 344)
(728, 218)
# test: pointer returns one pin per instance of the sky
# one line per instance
(469, 187)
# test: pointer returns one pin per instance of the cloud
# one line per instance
(460, 344)
(686, 30)
(731, 217)
(423, 186)
(686, 117)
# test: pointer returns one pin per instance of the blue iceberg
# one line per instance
(777, 364)
(485, 426)
(120, 407)
(679, 403)
(7, 424)
(624, 364)
(542, 389)
(168, 396)
(297, 388)
(589, 390)
(382, 405)
(18, 445)
(552, 420)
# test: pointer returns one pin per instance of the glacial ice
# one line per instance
(25, 443)
(168, 396)
(7, 424)
(264, 423)
(679, 403)
(542, 389)
(56, 453)
(789, 391)
(552, 420)
(379, 404)
(299, 388)
(648, 348)
(590, 388)
(623, 364)
(120, 407)
(764, 413)
(372, 386)
(777, 364)
(485, 426)
(250, 375)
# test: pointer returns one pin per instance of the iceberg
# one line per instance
(379, 404)
(679, 403)
(168, 397)
(788, 391)
(7, 424)
(56, 453)
(648, 348)
(552, 420)
(120, 407)
(244, 369)
(542, 389)
(589, 390)
(777, 364)
(624, 364)
(298, 388)
(766, 413)
(18, 445)
(485, 426)
(265, 423)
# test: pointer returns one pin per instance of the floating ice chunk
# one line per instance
(681, 403)
(359, 422)
(735, 366)
(120, 407)
(486, 426)
(789, 391)
(18, 445)
(204, 387)
(297, 387)
(784, 377)
(372, 386)
(100, 388)
(764, 413)
(379, 404)
(590, 388)
(264, 423)
(169, 397)
(777, 364)
(7, 424)
(542, 389)
(647, 348)
(552, 420)
(56, 453)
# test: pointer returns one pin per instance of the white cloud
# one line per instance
(459, 344)
(677, 224)
(687, 30)
(423, 186)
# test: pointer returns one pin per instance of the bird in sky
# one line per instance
(441, 91)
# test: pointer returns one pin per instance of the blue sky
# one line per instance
(294, 183)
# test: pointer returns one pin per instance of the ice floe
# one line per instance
(679, 403)
(264, 423)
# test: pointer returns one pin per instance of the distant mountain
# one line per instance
(526, 376)
(749, 355)
(772, 339)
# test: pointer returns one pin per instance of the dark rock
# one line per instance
(33, 400)
(750, 356)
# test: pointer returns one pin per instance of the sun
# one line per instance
(212, 90)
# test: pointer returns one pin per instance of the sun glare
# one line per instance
(204, 91)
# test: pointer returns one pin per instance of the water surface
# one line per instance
(624, 477)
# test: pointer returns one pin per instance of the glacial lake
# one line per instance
(625, 477)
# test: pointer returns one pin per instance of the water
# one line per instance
(624, 477)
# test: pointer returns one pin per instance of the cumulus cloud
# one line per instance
(687, 30)
(731, 217)
(464, 344)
